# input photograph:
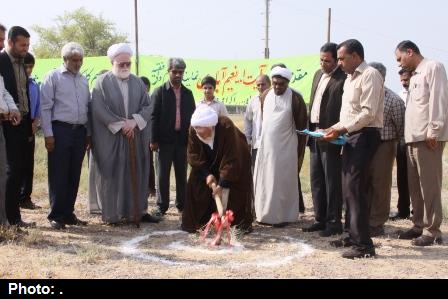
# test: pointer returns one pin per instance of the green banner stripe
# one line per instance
(235, 78)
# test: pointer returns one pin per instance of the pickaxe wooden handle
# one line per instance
(218, 201)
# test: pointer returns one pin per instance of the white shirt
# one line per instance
(253, 121)
(363, 100)
(427, 107)
(404, 94)
(315, 110)
(216, 105)
(6, 101)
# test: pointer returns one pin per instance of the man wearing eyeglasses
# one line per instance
(120, 115)
(325, 158)
(172, 106)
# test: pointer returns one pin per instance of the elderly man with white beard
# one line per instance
(120, 114)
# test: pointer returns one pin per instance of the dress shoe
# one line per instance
(24, 224)
(29, 205)
(398, 216)
(330, 231)
(376, 231)
(159, 213)
(427, 241)
(409, 234)
(57, 225)
(150, 219)
(359, 252)
(317, 226)
(344, 242)
(73, 220)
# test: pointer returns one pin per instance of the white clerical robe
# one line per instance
(276, 174)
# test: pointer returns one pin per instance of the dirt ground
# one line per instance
(162, 251)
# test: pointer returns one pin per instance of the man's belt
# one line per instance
(67, 125)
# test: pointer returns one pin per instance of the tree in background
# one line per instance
(94, 33)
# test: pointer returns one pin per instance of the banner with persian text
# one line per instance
(235, 78)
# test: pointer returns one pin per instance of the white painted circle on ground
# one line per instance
(273, 251)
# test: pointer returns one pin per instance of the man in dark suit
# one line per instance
(325, 159)
(13, 71)
(172, 106)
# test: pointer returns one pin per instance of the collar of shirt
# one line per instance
(64, 69)
(173, 87)
(360, 69)
(14, 59)
(204, 101)
(332, 72)
(420, 66)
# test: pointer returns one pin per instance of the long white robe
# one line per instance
(276, 173)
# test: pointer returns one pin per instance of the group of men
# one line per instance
(256, 174)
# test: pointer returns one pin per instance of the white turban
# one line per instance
(204, 116)
(282, 72)
(118, 49)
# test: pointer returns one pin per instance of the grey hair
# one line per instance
(71, 49)
(380, 67)
(176, 63)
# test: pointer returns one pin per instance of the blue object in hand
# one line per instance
(338, 141)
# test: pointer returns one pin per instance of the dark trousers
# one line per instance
(64, 169)
(171, 154)
(357, 155)
(301, 202)
(254, 157)
(404, 200)
(326, 188)
(152, 174)
(27, 184)
(16, 152)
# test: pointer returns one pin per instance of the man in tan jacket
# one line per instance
(426, 132)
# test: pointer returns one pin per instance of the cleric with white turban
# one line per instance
(120, 56)
(203, 120)
(204, 117)
(281, 72)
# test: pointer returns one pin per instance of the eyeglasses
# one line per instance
(124, 64)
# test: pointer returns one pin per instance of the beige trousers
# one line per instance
(380, 191)
(425, 186)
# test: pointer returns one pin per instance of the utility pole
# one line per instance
(266, 49)
(329, 26)
(137, 59)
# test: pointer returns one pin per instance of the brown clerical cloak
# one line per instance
(230, 163)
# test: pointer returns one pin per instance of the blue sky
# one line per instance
(234, 29)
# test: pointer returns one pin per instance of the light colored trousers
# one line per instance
(379, 194)
(425, 186)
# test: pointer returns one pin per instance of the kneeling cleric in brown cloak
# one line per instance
(218, 154)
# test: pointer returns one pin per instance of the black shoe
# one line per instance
(159, 213)
(359, 252)
(409, 234)
(317, 226)
(150, 219)
(57, 225)
(280, 225)
(24, 224)
(73, 220)
(328, 232)
(29, 205)
(344, 242)
(427, 241)
(376, 231)
(398, 216)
